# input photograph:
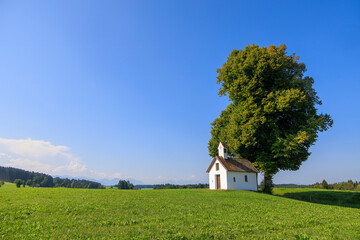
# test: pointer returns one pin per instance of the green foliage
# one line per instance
(47, 182)
(123, 184)
(324, 184)
(2, 183)
(76, 183)
(61, 213)
(272, 119)
(358, 188)
(30, 182)
(349, 185)
(18, 182)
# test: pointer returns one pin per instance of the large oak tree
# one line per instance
(272, 119)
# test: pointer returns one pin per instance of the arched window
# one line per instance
(246, 178)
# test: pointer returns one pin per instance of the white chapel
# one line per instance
(231, 173)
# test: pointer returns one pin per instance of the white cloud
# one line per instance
(42, 156)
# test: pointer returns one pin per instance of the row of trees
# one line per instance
(40, 182)
(32, 179)
(186, 186)
(19, 182)
(349, 185)
(59, 182)
(76, 183)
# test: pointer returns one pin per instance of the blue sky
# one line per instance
(127, 89)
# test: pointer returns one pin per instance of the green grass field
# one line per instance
(9, 185)
(59, 213)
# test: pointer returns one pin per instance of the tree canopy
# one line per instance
(272, 119)
(123, 184)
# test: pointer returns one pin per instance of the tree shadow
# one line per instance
(338, 198)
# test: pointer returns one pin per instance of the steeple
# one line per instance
(222, 150)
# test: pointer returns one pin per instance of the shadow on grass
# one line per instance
(338, 198)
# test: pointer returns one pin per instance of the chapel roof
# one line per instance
(234, 164)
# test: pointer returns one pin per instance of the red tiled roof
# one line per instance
(234, 164)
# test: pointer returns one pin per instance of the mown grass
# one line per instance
(59, 213)
(322, 196)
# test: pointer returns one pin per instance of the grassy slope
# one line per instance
(9, 185)
(176, 214)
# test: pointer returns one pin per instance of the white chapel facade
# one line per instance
(231, 173)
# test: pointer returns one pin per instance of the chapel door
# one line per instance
(218, 185)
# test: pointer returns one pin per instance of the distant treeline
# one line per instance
(291, 186)
(349, 185)
(76, 183)
(9, 174)
(145, 186)
(173, 186)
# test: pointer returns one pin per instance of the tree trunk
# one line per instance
(268, 184)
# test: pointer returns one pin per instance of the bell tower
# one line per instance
(222, 150)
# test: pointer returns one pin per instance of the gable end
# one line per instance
(212, 163)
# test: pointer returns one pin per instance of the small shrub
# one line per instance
(18, 182)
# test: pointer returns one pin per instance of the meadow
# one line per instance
(60, 213)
